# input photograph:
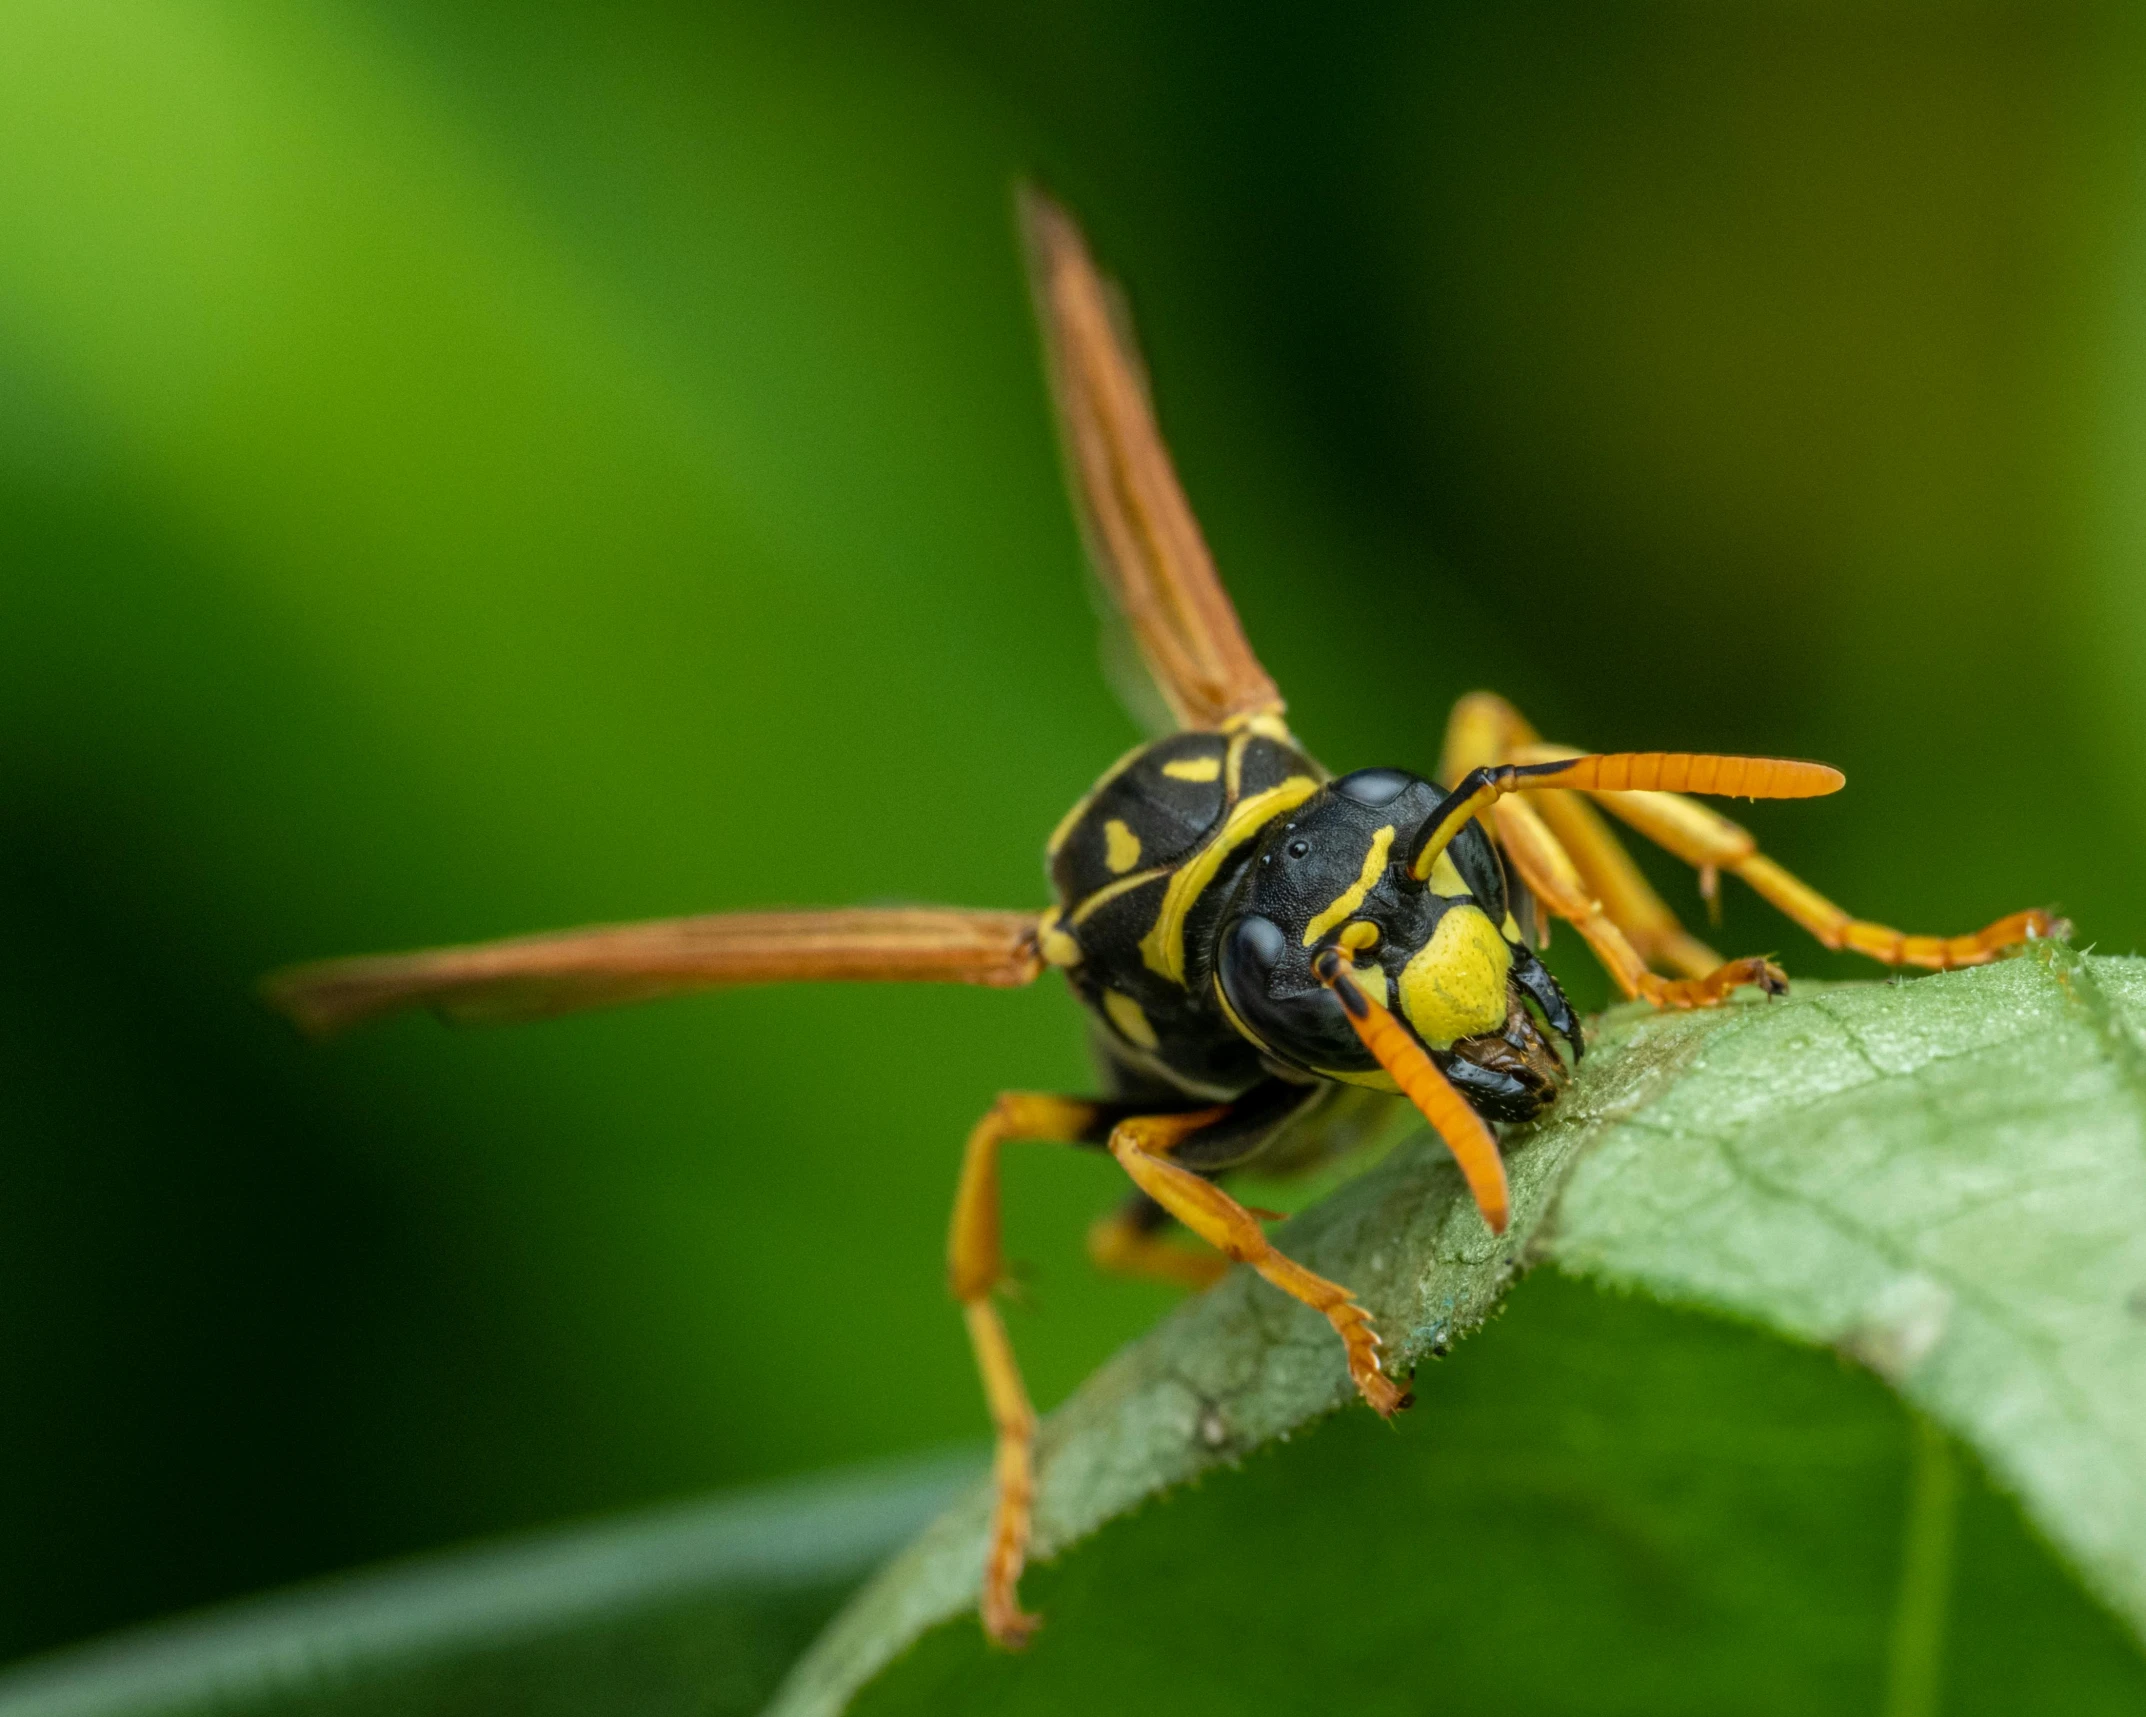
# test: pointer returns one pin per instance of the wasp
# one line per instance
(1257, 941)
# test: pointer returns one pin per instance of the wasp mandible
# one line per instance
(1253, 936)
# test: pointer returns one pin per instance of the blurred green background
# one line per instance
(475, 468)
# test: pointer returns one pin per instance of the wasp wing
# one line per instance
(1141, 535)
(533, 977)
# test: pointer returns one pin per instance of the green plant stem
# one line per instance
(1915, 1672)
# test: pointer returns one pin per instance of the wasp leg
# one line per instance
(1549, 871)
(976, 1264)
(1626, 896)
(1711, 843)
(1143, 1145)
(1129, 1242)
(1484, 731)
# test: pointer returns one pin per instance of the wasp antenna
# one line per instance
(1620, 772)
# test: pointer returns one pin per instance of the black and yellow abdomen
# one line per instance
(1141, 868)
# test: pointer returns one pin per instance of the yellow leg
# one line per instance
(1485, 731)
(1881, 942)
(1123, 1244)
(1710, 842)
(1013, 1470)
(1550, 873)
(1142, 1145)
(975, 1266)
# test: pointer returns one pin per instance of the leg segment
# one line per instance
(1626, 896)
(1711, 843)
(1549, 871)
(1143, 1144)
(1486, 730)
(1882, 943)
(975, 1265)
(1130, 1242)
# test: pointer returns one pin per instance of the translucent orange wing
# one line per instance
(1141, 535)
(533, 977)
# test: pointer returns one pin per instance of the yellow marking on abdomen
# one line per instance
(1350, 898)
(1163, 947)
(1121, 847)
(1194, 769)
(1125, 1014)
(1455, 985)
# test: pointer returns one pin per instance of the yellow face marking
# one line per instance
(1059, 948)
(1350, 898)
(1445, 880)
(1102, 897)
(1066, 823)
(1455, 985)
(1125, 1014)
(1121, 847)
(1163, 947)
(1372, 980)
(1512, 929)
(1194, 769)
(1359, 936)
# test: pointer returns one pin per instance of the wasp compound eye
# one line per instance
(1265, 975)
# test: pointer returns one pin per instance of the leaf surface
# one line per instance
(1945, 1178)
(1602, 1507)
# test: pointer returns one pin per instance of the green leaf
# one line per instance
(1945, 1179)
(1603, 1505)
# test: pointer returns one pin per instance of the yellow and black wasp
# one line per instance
(1252, 936)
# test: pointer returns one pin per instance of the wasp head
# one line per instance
(1444, 954)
